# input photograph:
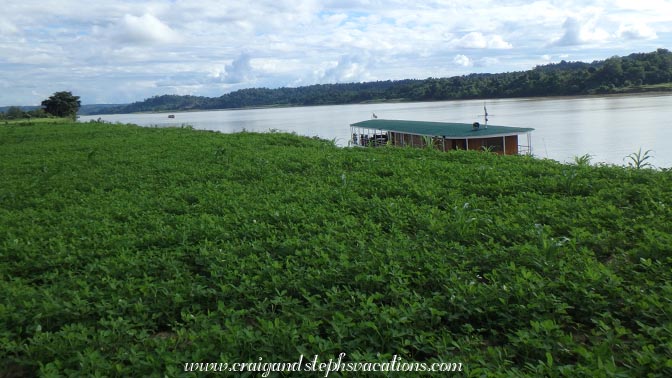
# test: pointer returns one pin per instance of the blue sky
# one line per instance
(127, 50)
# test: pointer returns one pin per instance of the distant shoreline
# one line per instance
(662, 92)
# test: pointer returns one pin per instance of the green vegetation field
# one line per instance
(128, 251)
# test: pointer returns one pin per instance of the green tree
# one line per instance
(612, 71)
(14, 112)
(62, 104)
(37, 113)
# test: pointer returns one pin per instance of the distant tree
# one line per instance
(62, 104)
(14, 112)
(37, 113)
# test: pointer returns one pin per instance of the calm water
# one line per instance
(608, 128)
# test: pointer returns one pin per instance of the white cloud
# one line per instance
(636, 31)
(462, 60)
(486, 62)
(146, 29)
(497, 42)
(579, 32)
(348, 69)
(476, 40)
(239, 71)
(473, 40)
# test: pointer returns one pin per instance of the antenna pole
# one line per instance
(485, 116)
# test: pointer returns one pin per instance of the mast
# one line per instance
(485, 115)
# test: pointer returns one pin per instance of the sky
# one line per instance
(120, 51)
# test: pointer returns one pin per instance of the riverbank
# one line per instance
(131, 251)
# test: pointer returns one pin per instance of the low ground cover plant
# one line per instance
(128, 251)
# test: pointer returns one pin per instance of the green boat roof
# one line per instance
(444, 129)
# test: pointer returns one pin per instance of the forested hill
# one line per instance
(632, 73)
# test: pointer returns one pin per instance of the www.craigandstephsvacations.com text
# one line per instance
(396, 364)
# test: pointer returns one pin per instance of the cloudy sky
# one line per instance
(119, 51)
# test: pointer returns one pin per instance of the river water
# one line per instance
(608, 128)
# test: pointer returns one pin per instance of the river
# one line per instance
(608, 128)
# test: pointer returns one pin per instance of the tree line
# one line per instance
(616, 74)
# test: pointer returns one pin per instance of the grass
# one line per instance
(34, 121)
(663, 87)
(128, 251)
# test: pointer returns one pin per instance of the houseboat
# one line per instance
(443, 136)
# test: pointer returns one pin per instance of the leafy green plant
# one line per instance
(583, 160)
(487, 148)
(638, 160)
(428, 142)
(117, 259)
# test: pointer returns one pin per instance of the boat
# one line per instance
(443, 136)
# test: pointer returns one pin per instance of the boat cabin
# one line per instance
(441, 135)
